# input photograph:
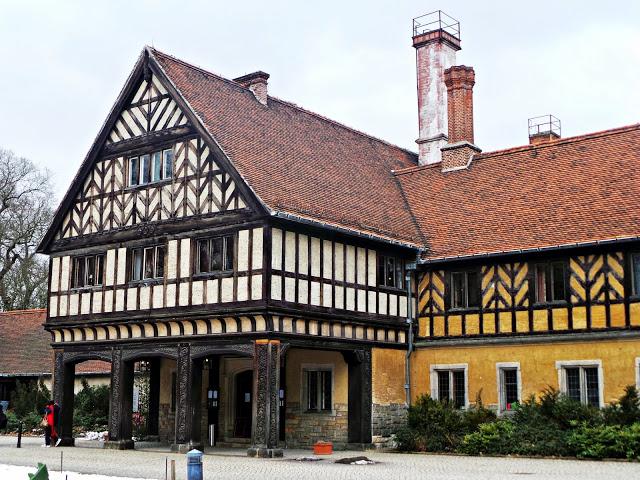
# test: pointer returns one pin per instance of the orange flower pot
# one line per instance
(323, 448)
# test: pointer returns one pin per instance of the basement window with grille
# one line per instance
(449, 384)
(318, 389)
(581, 380)
(146, 263)
(151, 167)
(88, 271)
(550, 282)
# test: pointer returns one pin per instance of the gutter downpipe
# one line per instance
(411, 267)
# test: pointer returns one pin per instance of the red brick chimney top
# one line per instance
(257, 83)
(460, 81)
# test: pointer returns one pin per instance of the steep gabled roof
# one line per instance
(298, 162)
(25, 346)
(570, 191)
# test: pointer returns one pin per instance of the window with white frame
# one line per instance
(509, 385)
(151, 167)
(318, 389)
(449, 384)
(88, 271)
(582, 381)
(146, 263)
(215, 254)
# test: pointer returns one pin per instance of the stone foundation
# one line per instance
(387, 420)
(303, 429)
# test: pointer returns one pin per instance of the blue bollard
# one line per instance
(194, 465)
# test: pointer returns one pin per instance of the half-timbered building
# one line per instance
(268, 263)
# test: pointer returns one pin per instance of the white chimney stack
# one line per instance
(436, 38)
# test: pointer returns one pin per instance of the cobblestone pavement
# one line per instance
(233, 464)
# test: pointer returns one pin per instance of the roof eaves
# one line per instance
(500, 253)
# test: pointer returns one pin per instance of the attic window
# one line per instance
(151, 167)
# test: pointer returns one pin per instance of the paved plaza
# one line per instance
(233, 464)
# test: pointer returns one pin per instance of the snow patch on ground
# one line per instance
(13, 472)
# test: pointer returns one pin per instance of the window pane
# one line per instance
(91, 270)
(573, 383)
(326, 390)
(593, 394)
(541, 284)
(381, 277)
(229, 253)
(216, 254)
(168, 163)
(473, 286)
(636, 273)
(149, 262)
(159, 262)
(99, 269)
(457, 290)
(145, 169)
(312, 390)
(80, 277)
(510, 387)
(136, 265)
(558, 281)
(204, 261)
(443, 386)
(156, 173)
(134, 171)
(390, 272)
(458, 389)
(399, 273)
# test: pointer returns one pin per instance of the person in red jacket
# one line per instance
(50, 434)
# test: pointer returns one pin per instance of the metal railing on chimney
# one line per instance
(544, 124)
(434, 21)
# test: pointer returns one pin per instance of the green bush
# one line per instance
(491, 438)
(29, 397)
(606, 441)
(625, 411)
(30, 421)
(91, 407)
(435, 426)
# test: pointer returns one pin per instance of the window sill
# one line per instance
(458, 310)
(396, 290)
(209, 275)
(159, 183)
(91, 288)
(325, 413)
(555, 303)
(146, 282)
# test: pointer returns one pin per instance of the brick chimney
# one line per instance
(544, 129)
(257, 83)
(436, 38)
(460, 149)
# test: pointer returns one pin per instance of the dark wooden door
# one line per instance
(244, 404)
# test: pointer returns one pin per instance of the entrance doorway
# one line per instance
(243, 404)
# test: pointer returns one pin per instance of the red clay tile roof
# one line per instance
(25, 347)
(573, 190)
(299, 162)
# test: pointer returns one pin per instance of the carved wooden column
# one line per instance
(360, 396)
(63, 394)
(266, 384)
(189, 387)
(120, 403)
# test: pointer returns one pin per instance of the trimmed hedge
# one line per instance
(551, 425)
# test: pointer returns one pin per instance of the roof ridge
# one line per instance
(522, 148)
(26, 310)
(286, 102)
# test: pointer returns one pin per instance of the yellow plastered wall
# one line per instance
(387, 368)
(297, 358)
(537, 365)
(167, 367)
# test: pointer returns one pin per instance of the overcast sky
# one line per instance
(64, 62)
